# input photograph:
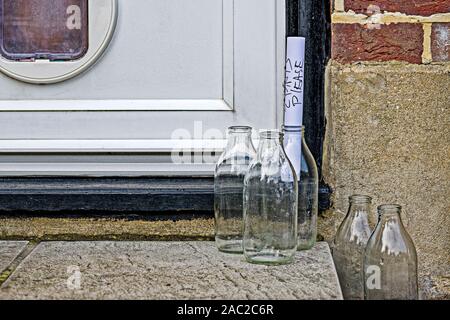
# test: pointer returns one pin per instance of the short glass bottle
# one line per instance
(308, 184)
(229, 176)
(270, 204)
(390, 259)
(349, 245)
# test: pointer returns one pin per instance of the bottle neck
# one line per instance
(293, 134)
(359, 208)
(392, 235)
(269, 144)
(234, 139)
(241, 137)
(268, 148)
(359, 204)
(390, 218)
(389, 213)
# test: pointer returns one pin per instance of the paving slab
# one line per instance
(9, 250)
(166, 270)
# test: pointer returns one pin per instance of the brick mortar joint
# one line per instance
(386, 18)
(427, 55)
(396, 66)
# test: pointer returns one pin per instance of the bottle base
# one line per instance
(269, 258)
(227, 246)
(305, 245)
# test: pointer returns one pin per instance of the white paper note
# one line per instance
(294, 81)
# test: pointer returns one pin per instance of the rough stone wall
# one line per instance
(388, 131)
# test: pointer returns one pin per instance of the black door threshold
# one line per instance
(115, 195)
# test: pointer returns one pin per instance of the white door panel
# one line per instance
(173, 64)
(160, 49)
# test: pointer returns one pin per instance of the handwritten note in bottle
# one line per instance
(294, 81)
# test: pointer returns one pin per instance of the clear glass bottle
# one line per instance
(390, 259)
(228, 188)
(308, 184)
(349, 245)
(270, 204)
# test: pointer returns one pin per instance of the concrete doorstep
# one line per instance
(157, 270)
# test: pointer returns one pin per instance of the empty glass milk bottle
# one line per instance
(270, 204)
(228, 188)
(390, 259)
(349, 245)
(308, 184)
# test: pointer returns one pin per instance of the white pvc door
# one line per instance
(176, 74)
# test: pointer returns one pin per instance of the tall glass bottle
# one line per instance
(349, 245)
(228, 188)
(308, 184)
(390, 259)
(270, 204)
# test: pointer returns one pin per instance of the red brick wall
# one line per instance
(414, 31)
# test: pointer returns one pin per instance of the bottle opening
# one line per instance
(270, 134)
(360, 198)
(239, 129)
(293, 129)
(389, 209)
